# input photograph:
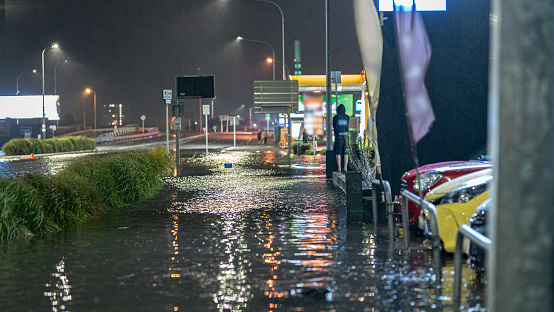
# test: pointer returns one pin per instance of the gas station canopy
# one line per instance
(316, 83)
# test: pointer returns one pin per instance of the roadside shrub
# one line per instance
(66, 144)
(323, 152)
(300, 148)
(20, 210)
(36, 146)
(17, 147)
(37, 203)
(309, 152)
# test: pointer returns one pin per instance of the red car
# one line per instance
(433, 175)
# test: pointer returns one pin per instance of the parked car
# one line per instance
(433, 175)
(436, 195)
(478, 222)
(457, 206)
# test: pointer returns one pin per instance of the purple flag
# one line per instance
(415, 53)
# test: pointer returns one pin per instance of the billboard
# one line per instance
(346, 99)
(190, 87)
(313, 114)
(421, 5)
(28, 106)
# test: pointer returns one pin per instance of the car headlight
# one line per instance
(427, 180)
(464, 194)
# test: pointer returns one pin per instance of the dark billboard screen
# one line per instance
(195, 87)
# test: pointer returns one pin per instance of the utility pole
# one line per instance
(520, 270)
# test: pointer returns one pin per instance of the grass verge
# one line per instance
(39, 203)
(35, 146)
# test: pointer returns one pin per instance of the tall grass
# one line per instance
(39, 203)
(66, 144)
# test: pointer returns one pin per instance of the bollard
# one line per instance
(351, 184)
(354, 192)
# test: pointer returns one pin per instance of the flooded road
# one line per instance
(269, 234)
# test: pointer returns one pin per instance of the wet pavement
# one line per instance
(269, 234)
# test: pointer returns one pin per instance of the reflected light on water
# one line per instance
(59, 293)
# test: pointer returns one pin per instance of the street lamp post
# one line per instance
(55, 69)
(266, 43)
(269, 60)
(54, 46)
(250, 109)
(282, 33)
(88, 90)
(17, 81)
(213, 107)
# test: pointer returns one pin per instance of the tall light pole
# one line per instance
(56, 68)
(282, 33)
(54, 46)
(213, 106)
(266, 43)
(250, 109)
(17, 81)
(200, 107)
(88, 90)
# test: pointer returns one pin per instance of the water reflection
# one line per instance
(59, 288)
(270, 238)
(15, 166)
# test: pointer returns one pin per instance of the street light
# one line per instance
(55, 68)
(282, 33)
(88, 90)
(54, 46)
(17, 81)
(270, 60)
(266, 43)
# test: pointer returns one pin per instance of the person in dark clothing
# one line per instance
(304, 136)
(260, 137)
(340, 128)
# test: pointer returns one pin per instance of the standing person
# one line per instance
(260, 136)
(266, 134)
(340, 128)
(304, 137)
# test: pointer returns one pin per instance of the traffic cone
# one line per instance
(32, 156)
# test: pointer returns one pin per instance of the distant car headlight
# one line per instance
(427, 180)
(464, 194)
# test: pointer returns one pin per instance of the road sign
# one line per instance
(53, 127)
(275, 96)
(205, 109)
(177, 122)
(168, 95)
(143, 118)
(336, 76)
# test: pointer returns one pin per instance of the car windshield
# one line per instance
(480, 154)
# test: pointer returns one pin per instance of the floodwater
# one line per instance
(15, 166)
(269, 234)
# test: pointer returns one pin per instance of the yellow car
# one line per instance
(456, 203)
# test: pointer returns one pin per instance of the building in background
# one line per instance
(112, 115)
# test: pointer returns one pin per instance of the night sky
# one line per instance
(128, 51)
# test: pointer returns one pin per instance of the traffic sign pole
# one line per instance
(234, 131)
(206, 112)
(167, 96)
(167, 125)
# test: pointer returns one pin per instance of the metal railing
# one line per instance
(475, 237)
(434, 225)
